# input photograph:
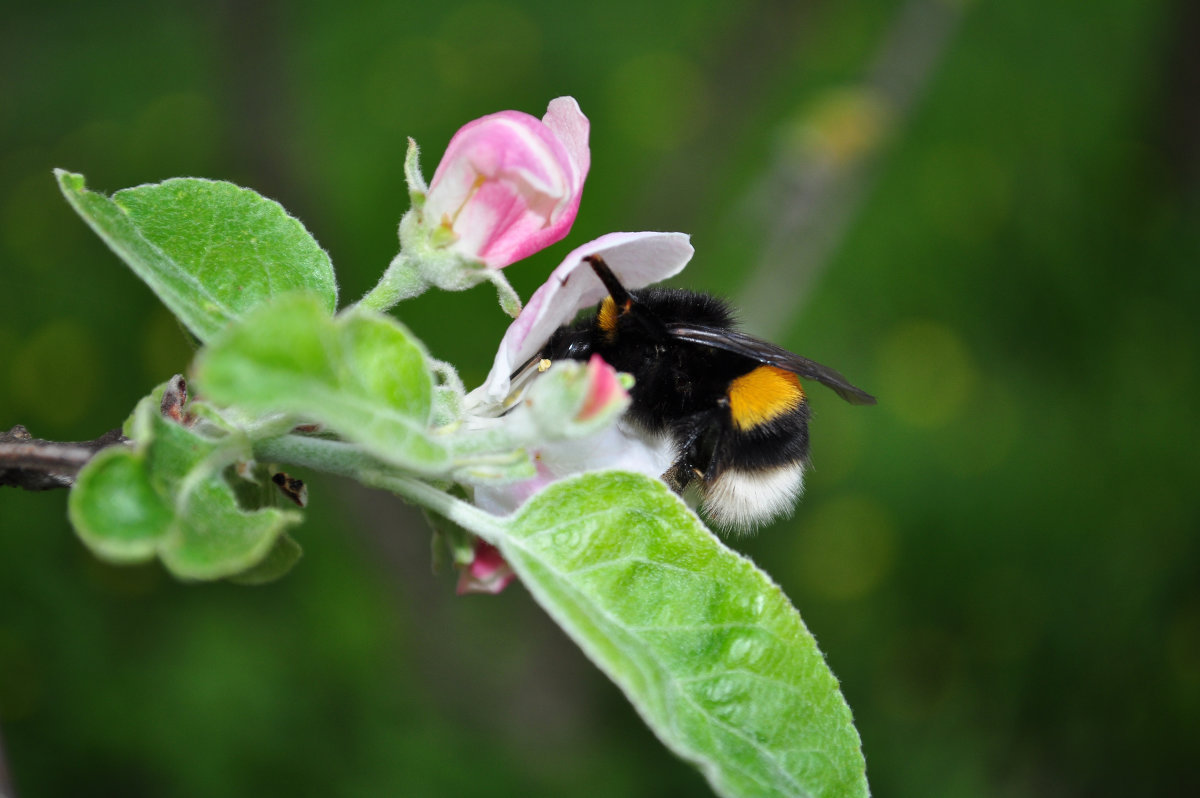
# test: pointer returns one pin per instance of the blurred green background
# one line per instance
(986, 213)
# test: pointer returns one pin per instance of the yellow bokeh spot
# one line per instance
(846, 548)
(842, 126)
(925, 373)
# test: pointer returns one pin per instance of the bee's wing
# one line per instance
(772, 355)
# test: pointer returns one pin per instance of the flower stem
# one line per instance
(401, 281)
(468, 516)
(334, 457)
(348, 460)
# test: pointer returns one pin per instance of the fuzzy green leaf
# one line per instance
(362, 375)
(115, 510)
(168, 496)
(210, 250)
(279, 561)
(709, 651)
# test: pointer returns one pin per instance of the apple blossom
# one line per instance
(638, 259)
(509, 184)
(570, 413)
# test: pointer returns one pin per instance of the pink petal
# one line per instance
(487, 573)
(637, 259)
(603, 389)
(503, 499)
(508, 141)
(570, 128)
(564, 117)
(509, 184)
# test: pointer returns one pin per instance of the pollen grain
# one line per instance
(607, 317)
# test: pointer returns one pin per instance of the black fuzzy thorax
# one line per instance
(673, 379)
(682, 387)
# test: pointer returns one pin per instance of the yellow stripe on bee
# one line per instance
(607, 318)
(762, 395)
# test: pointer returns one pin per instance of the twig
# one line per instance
(35, 464)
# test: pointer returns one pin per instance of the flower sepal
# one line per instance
(417, 187)
(570, 401)
(574, 399)
(480, 566)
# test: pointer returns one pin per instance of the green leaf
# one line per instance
(282, 558)
(115, 510)
(710, 651)
(210, 250)
(168, 496)
(361, 374)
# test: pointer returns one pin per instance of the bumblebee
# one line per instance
(732, 405)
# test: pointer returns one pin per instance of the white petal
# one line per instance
(614, 447)
(637, 259)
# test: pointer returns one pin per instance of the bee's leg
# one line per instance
(715, 463)
(680, 475)
(698, 438)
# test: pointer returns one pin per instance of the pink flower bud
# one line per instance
(604, 389)
(486, 573)
(509, 184)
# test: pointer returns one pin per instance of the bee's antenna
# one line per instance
(615, 289)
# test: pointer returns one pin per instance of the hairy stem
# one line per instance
(350, 461)
(334, 457)
(401, 281)
(468, 516)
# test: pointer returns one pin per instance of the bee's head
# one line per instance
(571, 341)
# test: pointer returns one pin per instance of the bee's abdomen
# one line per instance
(757, 472)
(743, 499)
(766, 423)
(763, 395)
